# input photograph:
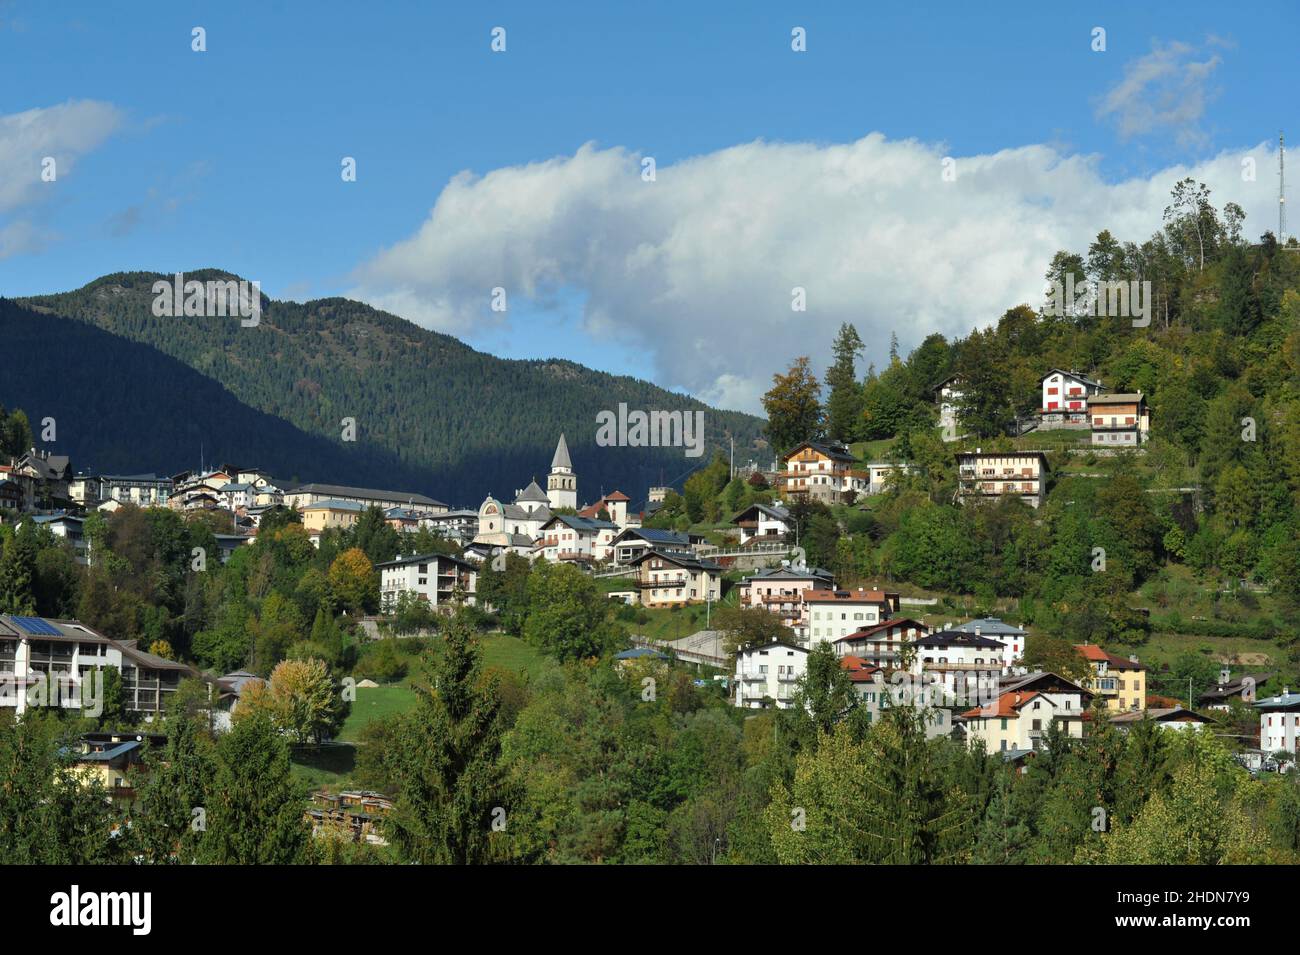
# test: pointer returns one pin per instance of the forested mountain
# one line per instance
(432, 414)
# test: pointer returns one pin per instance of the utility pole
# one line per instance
(1281, 189)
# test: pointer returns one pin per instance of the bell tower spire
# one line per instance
(562, 483)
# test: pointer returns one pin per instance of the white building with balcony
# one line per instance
(437, 579)
(768, 676)
(59, 664)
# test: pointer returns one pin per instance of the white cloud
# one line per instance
(65, 133)
(697, 268)
(1165, 90)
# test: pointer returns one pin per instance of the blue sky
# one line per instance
(231, 158)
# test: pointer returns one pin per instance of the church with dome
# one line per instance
(516, 526)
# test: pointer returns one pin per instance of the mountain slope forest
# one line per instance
(432, 414)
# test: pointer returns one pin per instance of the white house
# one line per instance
(768, 675)
(433, 578)
(1065, 399)
(459, 525)
(566, 537)
(632, 542)
(950, 396)
(879, 473)
(238, 495)
(760, 523)
(68, 528)
(985, 475)
(830, 614)
(966, 667)
(1279, 722)
(1012, 638)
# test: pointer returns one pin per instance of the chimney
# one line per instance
(1132, 658)
(1224, 675)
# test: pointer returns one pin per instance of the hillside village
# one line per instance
(969, 678)
(1043, 570)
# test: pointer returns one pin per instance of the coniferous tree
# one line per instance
(165, 827)
(844, 401)
(452, 802)
(254, 806)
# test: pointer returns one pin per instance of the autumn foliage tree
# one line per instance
(793, 406)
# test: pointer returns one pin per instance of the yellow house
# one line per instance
(1120, 681)
(111, 758)
(673, 578)
(1018, 720)
(326, 514)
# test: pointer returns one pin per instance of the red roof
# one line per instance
(1006, 706)
(1095, 654)
(875, 628)
(860, 671)
(850, 597)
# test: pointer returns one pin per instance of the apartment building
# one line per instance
(324, 515)
(822, 472)
(984, 476)
(437, 579)
(307, 494)
(768, 676)
(1119, 420)
(829, 615)
(59, 663)
(964, 667)
(878, 690)
(584, 540)
(780, 590)
(142, 490)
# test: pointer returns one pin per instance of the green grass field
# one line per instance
(332, 765)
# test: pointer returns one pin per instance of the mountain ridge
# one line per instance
(427, 406)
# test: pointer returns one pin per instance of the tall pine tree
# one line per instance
(452, 802)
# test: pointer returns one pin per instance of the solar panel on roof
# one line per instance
(37, 627)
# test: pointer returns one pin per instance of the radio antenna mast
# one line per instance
(1281, 189)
